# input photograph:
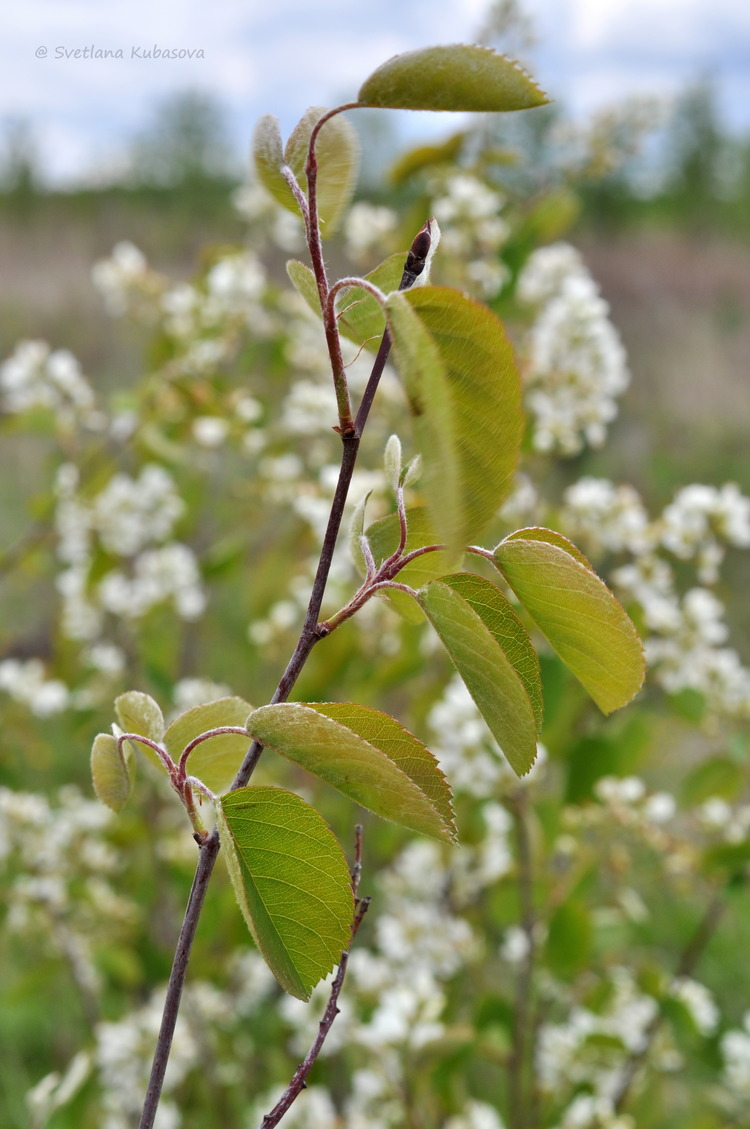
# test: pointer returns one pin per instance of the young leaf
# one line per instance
(216, 760)
(460, 77)
(268, 158)
(304, 283)
(139, 713)
(361, 317)
(291, 881)
(498, 617)
(356, 529)
(383, 536)
(490, 677)
(337, 153)
(578, 614)
(465, 393)
(366, 755)
(112, 774)
(393, 461)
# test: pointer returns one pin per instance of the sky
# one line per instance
(280, 56)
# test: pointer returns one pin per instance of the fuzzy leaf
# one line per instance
(291, 881)
(501, 621)
(112, 774)
(337, 153)
(578, 614)
(216, 760)
(268, 158)
(137, 712)
(459, 77)
(490, 677)
(304, 283)
(464, 392)
(362, 319)
(356, 529)
(366, 755)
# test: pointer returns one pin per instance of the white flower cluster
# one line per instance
(574, 1053)
(124, 280)
(574, 360)
(203, 320)
(367, 227)
(473, 231)
(735, 1049)
(686, 632)
(25, 681)
(36, 377)
(128, 518)
(269, 221)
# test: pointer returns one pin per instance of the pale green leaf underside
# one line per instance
(304, 283)
(268, 157)
(580, 617)
(349, 762)
(216, 760)
(501, 621)
(111, 773)
(383, 536)
(291, 881)
(489, 676)
(337, 154)
(460, 77)
(137, 712)
(465, 397)
(361, 317)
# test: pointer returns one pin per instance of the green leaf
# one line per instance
(337, 153)
(718, 776)
(291, 881)
(578, 614)
(550, 537)
(269, 158)
(498, 617)
(570, 938)
(304, 283)
(139, 713)
(111, 773)
(366, 755)
(216, 760)
(383, 536)
(464, 392)
(490, 677)
(362, 318)
(416, 160)
(465, 78)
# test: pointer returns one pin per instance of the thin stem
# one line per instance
(348, 284)
(299, 1079)
(217, 732)
(160, 752)
(311, 633)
